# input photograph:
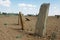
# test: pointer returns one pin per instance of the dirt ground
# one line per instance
(10, 30)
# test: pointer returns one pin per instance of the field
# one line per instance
(9, 28)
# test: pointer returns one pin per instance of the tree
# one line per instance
(4, 13)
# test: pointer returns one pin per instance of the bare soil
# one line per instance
(10, 30)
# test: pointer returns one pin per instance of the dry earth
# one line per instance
(9, 28)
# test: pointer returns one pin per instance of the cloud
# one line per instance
(27, 8)
(33, 9)
(5, 3)
(22, 5)
(26, 5)
(54, 10)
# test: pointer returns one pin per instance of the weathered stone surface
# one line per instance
(41, 20)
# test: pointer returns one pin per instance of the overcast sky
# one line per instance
(29, 6)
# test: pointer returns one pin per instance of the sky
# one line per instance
(29, 6)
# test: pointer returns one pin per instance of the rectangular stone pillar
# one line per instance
(40, 29)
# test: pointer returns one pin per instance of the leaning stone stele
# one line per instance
(40, 29)
(20, 20)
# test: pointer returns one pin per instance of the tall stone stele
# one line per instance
(40, 29)
(20, 21)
